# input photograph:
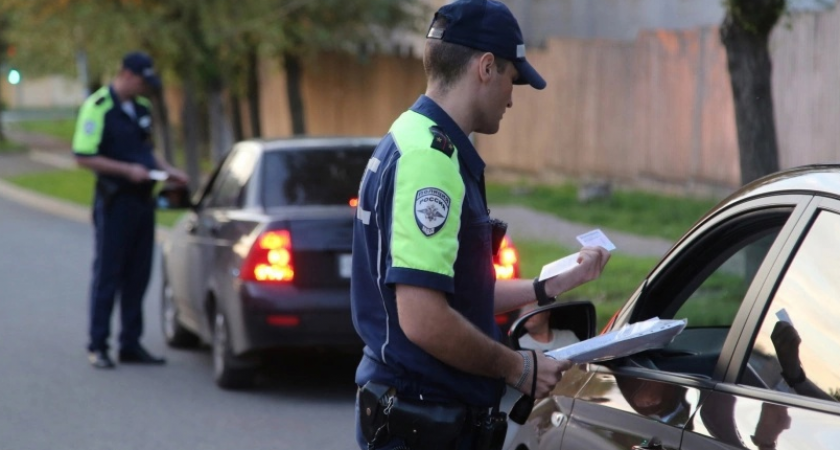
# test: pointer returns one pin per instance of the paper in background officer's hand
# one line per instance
(594, 238)
(630, 339)
(158, 175)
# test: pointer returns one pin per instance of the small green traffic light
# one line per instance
(14, 76)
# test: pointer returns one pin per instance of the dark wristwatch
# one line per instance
(539, 291)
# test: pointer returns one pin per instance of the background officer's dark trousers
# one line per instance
(125, 231)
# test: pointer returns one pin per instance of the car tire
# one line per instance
(229, 371)
(174, 333)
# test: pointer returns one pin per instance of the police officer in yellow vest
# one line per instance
(423, 288)
(113, 138)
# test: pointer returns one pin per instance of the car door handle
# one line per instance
(651, 444)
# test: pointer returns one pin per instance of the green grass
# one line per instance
(76, 186)
(7, 146)
(620, 278)
(60, 128)
(635, 212)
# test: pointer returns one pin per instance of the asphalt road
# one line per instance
(51, 398)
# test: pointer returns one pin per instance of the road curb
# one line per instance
(50, 205)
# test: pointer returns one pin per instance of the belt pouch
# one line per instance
(426, 425)
(108, 190)
(373, 398)
(491, 432)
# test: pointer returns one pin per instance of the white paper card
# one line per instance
(557, 267)
(345, 265)
(783, 316)
(158, 175)
(596, 238)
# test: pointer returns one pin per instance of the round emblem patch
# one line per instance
(431, 208)
(90, 126)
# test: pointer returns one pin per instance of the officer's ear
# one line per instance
(486, 66)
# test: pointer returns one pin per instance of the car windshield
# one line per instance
(314, 176)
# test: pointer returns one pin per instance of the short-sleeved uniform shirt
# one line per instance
(104, 128)
(422, 220)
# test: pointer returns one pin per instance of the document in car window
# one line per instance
(634, 338)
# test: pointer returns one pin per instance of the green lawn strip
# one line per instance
(75, 186)
(635, 212)
(7, 146)
(59, 128)
(620, 278)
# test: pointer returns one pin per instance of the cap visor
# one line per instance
(528, 75)
(153, 81)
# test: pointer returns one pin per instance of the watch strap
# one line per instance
(539, 292)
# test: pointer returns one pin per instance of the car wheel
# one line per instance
(229, 371)
(173, 332)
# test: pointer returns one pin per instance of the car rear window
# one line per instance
(314, 176)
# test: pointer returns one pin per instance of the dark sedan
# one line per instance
(262, 259)
(758, 365)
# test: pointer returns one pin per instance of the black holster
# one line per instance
(498, 229)
(107, 190)
(425, 425)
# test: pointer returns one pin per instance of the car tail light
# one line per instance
(502, 319)
(354, 202)
(270, 258)
(506, 261)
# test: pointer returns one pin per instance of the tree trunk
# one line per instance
(221, 136)
(191, 128)
(253, 94)
(162, 127)
(293, 89)
(236, 117)
(750, 73)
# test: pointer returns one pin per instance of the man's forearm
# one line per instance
(513, 294)
(429, 322)
(106, 166)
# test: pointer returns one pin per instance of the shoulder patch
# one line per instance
(431, 209)
(440, 141)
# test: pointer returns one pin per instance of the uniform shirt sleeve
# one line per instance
(90, 126)
(426, 219)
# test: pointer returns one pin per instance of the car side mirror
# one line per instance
(578, 317)
(173, 196)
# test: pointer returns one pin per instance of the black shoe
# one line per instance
(100, 359)
(139, 355)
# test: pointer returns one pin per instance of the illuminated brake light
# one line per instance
(502, 319)
(506, 261)
(270, 258)
(354, 202)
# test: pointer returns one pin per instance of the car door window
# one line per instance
(707, 286)
(230, 185)
(808, 296)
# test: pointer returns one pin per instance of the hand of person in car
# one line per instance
(786, 341)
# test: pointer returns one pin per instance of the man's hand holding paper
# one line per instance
(578, 268)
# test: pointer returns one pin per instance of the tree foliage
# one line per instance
(207, 47)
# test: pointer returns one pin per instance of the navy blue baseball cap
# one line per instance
(488, 26)
(142, 64)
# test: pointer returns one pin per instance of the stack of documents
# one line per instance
(634, 338)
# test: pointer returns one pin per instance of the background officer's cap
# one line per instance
(142, 64)
(488, 26)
